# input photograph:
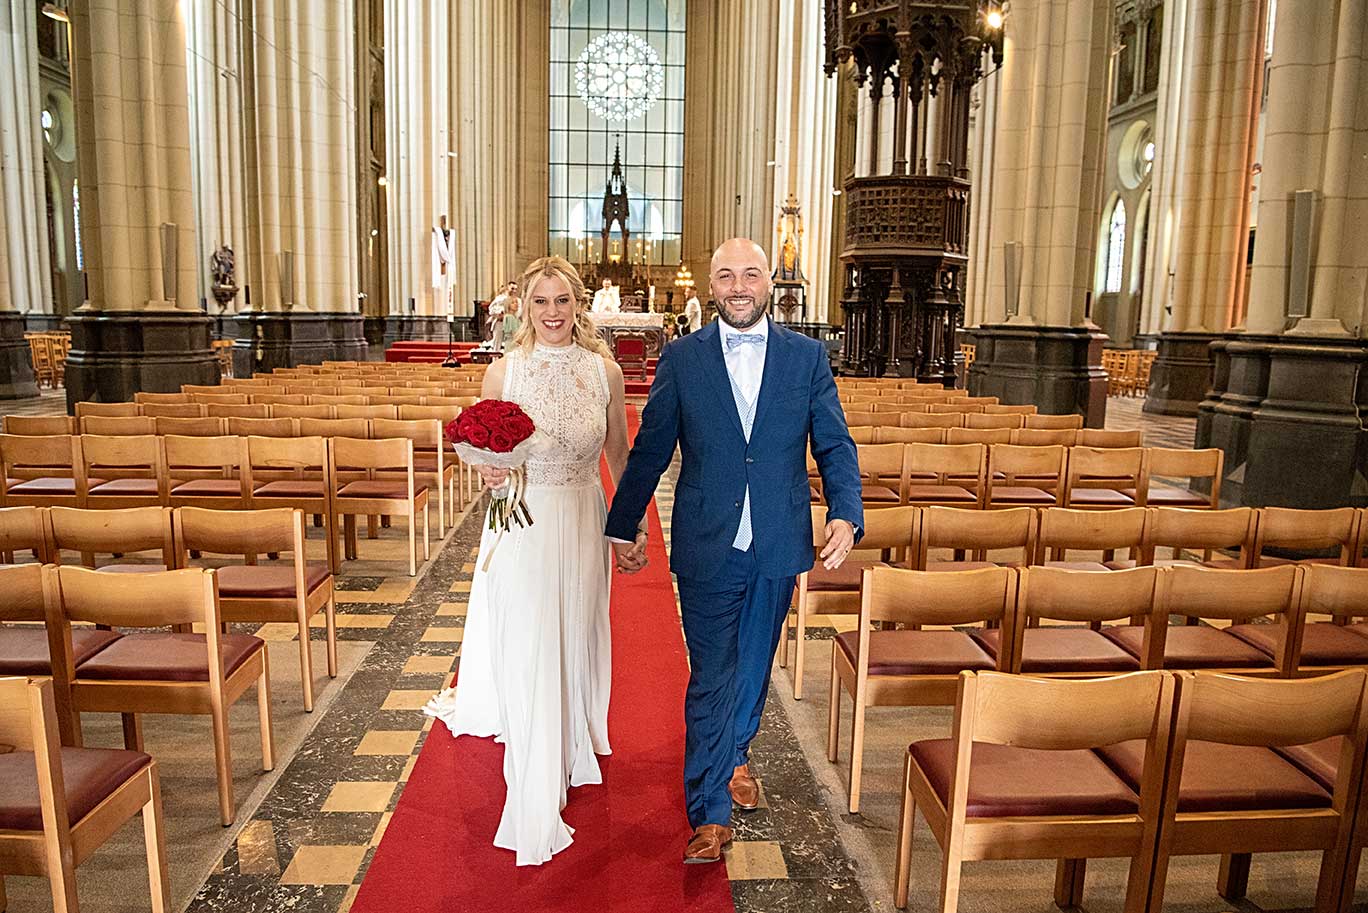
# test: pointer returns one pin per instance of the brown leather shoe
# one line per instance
(745, 792)
(706, 843)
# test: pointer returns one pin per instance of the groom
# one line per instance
(743, 399)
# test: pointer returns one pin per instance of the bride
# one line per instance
(535, 661)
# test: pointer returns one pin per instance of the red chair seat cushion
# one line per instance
(1020, 494)
(379, 488)
(1006, 782)
(166, 657)
(1166, 496)
(89, 776)
(49, 485)
(917, 652)
(1063, 650)
(1318, 760)
(844, 578)
(292, 488)
(126, 488)
(24, 650)
(208, 488)
(1322, 644)
(878, 494)
(1192, 647)
(941, 494)
(1099, 497)
(426, 461)
(1219, 778)
(240, 581)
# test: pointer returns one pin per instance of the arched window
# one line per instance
(1116, 247)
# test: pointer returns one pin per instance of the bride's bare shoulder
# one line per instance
(612, 367)
(492, 387)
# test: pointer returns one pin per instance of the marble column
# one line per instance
(1203, 213)
(25, 280)
(299, 98)
(141, 327)
(729, 136)
(805, 144)
(983, 147)
(1051, 135)
(1288, 395)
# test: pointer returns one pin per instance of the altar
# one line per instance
(651, 327)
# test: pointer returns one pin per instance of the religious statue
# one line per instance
(222, 267)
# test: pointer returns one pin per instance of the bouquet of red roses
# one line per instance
(494, 432)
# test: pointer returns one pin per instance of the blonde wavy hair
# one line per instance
(583, 333)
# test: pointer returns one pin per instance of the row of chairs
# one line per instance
(324, 476)
(919, 649)
(906, 537)
(48, 353)
(1000, 475)
(246, 404)
(293, 591)
(935, 432)
(1128, 370)
(952, 415)
(1144, 766)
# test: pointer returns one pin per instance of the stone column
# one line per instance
(300, 121)
(982, 145)
(805, 141)
(141, 327)
(1203, 213)
(25, 280)
(1051, 133)
(1288, 397)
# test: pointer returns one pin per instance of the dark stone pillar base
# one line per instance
(16, 362)
(44, 323)
(267, 340)
(1058, 369)
(1290, 415)
(116, 354)
(1181, 374)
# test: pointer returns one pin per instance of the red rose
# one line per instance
(477, 436)
(499, 442)
(522, 427)
(451, 431)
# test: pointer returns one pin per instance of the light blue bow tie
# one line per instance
(744, 339)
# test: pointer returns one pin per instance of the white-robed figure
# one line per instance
(535, 667)
(694, 312)
(443, 267)
(607, 300)
(497, 308)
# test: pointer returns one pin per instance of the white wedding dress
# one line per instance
(535, 665)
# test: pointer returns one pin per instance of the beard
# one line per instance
(745, 320)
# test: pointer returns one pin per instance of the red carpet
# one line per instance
(437, 855)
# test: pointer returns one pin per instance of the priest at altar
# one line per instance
(607, 300)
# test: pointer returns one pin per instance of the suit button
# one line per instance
(750, 459)
(737, 505)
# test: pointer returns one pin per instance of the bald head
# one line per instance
(740, 282)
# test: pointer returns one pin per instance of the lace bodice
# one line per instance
(565, 392)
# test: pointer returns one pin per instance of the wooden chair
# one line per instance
(112, 532)
(173, 410)
(238, 410)
(220, 399)
(1335, 531)
(954, 408)
(629, 351)
(379, 493)
(357, 428)
(39, 471)
(1236, 791)
(118, 426)
(945, 475)
(1020, 778)
(66, 802)
(337, 399)
(1094, 437)
(192, 427)
(431, 465)
(869, 419)
(995, 420)
(1040, 437)
(292, 472)
(205, 389)
(37, 425)
(916, 667)
(1198, 593)
(205, 472)
(177, 399)
(315, 410)
(110, 409)
(1000, 409)
(1206, 530)
(1079, 598)
(263, 427)
(916, 420)
(892, 532)
(22, 529)
(1062, 529)
(887, 435)
(883, 475)
(972, 534)
(1053, 422)
(40, 354)
(154, 672)
(279, 399)
(1019, 476)
(389, 412)
(1190, 465)
(1326, 590)
(262, 594)
(133, 466)
(1099, 478)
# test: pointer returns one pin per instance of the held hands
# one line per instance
(631, 557)
(493, 476)
(840, 539)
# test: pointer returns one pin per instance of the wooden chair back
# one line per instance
(335, 428)
(883, 462)
(22, 529)
(131, 456)
(21, 599)
(867, 419)
(110, 532)
(280, 399)
(978, 435)
(383, 412)
(339, 399)
(112, 409)
(1064, 595)
(1096, 467)
(173, 410)
(1192, 465)
(1307, 530)
(977, 532)
(179, 597)
(985, 421)
(889, 435)
(1041, 437)
(292, 457)
(238, 532)
(21, 455)
(1095, 437)
(1341, 592)
(955, 408)
(1062, 529)
(40, 424)
(1053, 422)
(220, 398)
(180, 399)
(442, 414)
(1044, 465)
(928, 598)
(314, 410)
(1178, 529)
(192, 427)
(944, 460)
(263, 427)
(239, 410)
(892, 530)
(202, 457)
(916, 420)
(1000, 409)
(118, 426)
(1232, 595)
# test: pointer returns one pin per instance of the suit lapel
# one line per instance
(713, 372)
(778, 362)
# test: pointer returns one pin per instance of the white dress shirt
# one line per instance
(745, 363)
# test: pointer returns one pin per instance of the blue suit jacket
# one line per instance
(691, 404)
